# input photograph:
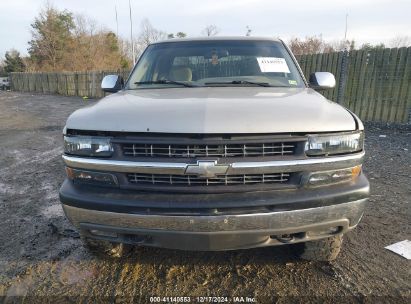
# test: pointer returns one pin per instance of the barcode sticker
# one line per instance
(273, 64)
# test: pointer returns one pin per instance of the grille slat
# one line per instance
(203, 150)
(192, 180)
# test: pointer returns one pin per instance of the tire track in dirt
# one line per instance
(40, 158)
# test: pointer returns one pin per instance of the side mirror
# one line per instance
(112, 83)
(322, 80)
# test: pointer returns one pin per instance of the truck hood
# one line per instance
(214, 110)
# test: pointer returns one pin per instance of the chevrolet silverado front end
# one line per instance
(216, 144)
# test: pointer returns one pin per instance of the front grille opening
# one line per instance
(192, 180)
(202, 150)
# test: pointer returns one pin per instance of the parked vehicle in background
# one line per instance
(4, 83)
(215, 144)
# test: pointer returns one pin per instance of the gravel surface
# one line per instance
(42, 259)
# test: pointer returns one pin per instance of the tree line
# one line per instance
(63, 41)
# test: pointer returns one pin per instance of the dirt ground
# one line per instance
(42, 258)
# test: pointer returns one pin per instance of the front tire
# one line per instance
(320, 250)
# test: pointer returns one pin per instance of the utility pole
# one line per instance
(131, 35)
(115, 8)
(346, 27)
(344, 67)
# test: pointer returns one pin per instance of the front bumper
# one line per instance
(222, 232)
(261, 219)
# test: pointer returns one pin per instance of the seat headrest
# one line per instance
(180, 73)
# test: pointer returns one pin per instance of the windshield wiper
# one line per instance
(261, 84)
(165, 81)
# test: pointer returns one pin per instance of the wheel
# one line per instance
(320, 250)
(105, 249)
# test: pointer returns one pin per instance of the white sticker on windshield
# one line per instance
(273, 64)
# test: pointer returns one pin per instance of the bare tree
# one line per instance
(95, 48)
(400, 41)
(316, 44)
(210, 30)
(339, 45)
(85, 48)
(148, 34)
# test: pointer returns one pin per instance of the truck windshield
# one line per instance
(233, 63)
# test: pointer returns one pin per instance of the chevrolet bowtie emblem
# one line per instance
(206, 168)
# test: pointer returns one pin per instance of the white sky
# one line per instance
(371, 21)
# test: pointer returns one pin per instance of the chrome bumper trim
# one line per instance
(289, 221)
(310, 164)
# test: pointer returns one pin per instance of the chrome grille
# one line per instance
(203, 150)
(192, 180)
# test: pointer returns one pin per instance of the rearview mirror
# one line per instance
(322, 80)
(112, 83)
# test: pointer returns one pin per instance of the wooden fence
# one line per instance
(67, 83)
(375, 84)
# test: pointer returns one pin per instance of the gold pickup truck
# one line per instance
(215, 144)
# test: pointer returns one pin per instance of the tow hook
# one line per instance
(285, 238)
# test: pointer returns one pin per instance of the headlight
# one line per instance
(334, 144)
(88, 146)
